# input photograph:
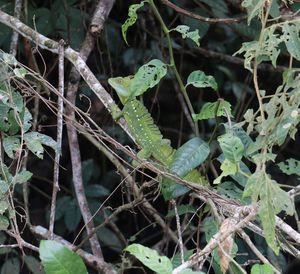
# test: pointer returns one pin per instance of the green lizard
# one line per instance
(147, 134)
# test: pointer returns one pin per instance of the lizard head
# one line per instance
(122, 86)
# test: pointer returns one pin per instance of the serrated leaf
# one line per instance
(212, 110)
(4, 223)
(232, 147)
(292, 166)
(273, 200)
(186, 33)
(253, 7)
(189, 155)
(262, 269)
(34, 141)
(150, 258)
(200, 80)
(57, 258)
(132, 17)
(11, 144)
(228, 168)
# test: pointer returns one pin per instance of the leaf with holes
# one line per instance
(11, 144)
(291, 167)
(200, 80)
(291, 39)
(132, 17)
(253, 7)
(232, 147)
(212, 110)
(147, 77)
(186, 33)
(150, 258)
(35, 140)
(228, 168)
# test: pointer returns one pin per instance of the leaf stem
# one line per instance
(173, 64)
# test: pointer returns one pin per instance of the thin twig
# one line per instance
(15, 34)
(100, 15)
(202, 18)
(173, 202)
(60, 110)
(255, 250)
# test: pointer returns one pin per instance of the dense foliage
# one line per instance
(175, 152)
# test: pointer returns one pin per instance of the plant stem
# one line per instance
(173, 64)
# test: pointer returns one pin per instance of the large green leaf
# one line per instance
(190, 155)
(58, 259)
(147, 77)
(231, 146)
(200, 80)
(150, 258)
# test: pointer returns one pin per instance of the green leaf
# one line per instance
(253, 7)
(10, 266)
(23, 177)
(3, 206)
(96, 191)
(176, 259)
(11, 144)
(228, 168)
(33, 264)
(58, 259)
(291, 167)
(132, 17)
(186, 33)
(262, 269)
(20, 72)
(147, 77)
(189, 155)
(232, 147)
(212, 110)
(273, 200)
(150, 258)
(72, 215)
(34, 141)
(200, 80)
(4, 223)
(291, 39)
